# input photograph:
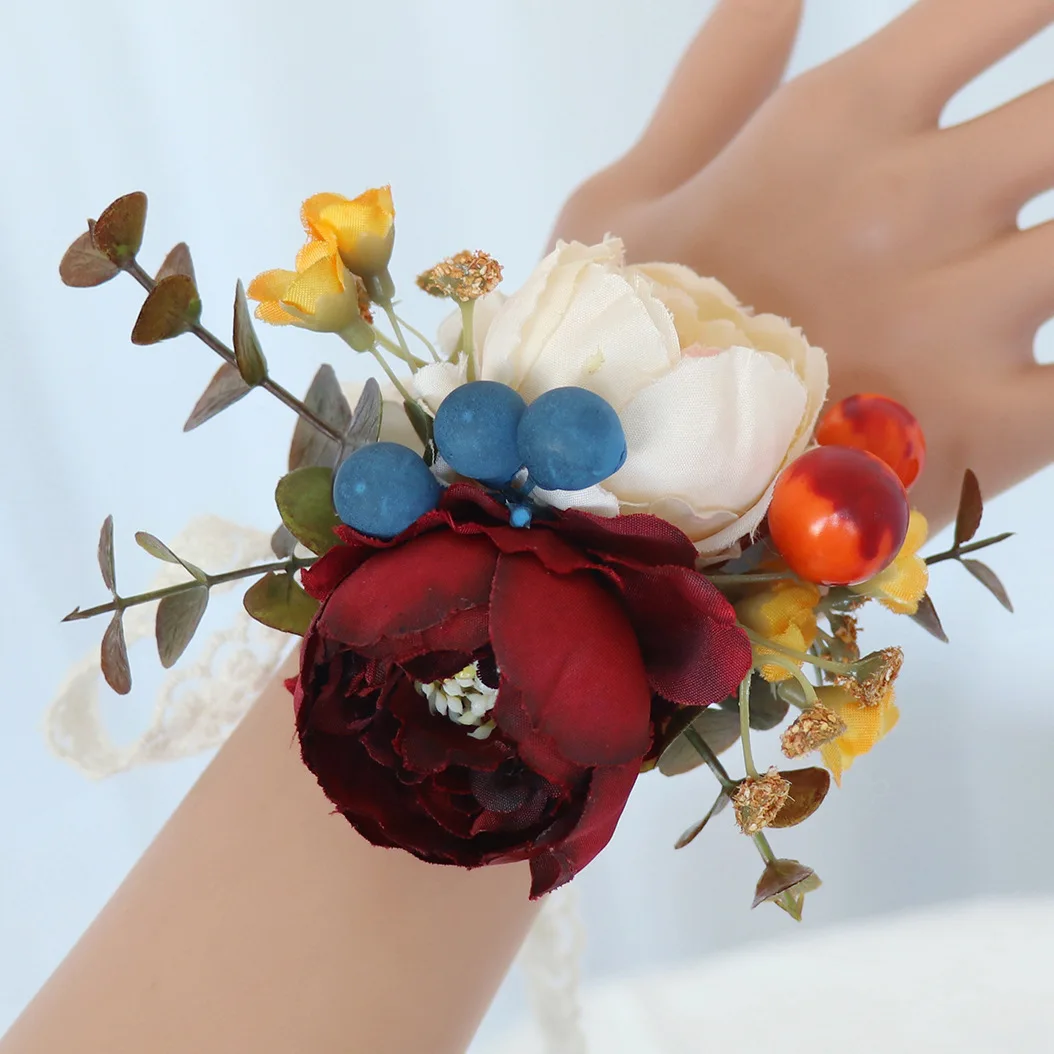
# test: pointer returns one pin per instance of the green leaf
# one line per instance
(990, 580)
(278, 601)
(114, 657)
(305, 502)
(424, 425)
(248, 354)
(178, 617)
(84, 266)
(808, 788)
(784, 876)
(225, 389)
(971, 508)
(106, 564)
(118, 232)
(172, 307)
(325, 397)
(157, 549)
(717, 726)
(928, 619)
(768, 708)
(693, 832)
(365, 426)
(177, 261)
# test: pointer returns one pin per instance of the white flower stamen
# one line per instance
(464, 699)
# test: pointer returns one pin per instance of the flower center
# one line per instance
(464, 699)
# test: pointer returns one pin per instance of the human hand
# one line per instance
(836, 201)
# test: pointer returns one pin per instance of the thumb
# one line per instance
(732, 66)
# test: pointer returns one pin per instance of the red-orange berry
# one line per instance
(882, 427)
(838, 516)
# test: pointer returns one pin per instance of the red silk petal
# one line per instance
(564, 641)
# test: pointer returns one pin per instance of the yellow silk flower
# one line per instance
(784, 614)
(865, 726)
(903, 584)
(361, 230)
(321, 294)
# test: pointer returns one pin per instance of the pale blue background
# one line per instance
(482, 118)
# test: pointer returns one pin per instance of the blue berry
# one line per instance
(571, 438)
(475, 431)
(382, 488)
(520, 516)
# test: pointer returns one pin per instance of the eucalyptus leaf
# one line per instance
(305, 502)
(767, 707)
(83, 266)
(282, 542)
(324, 397)
(157, 549)
(784, 876)
(928, 619)
(693, 832)
(424, 425)
(225, 389)
(178, 617)
(365, 426)
(718, 727)
(971, 508)
(118, 232)
(172, 307)
(114, 657)
(248, 355)
(990, 580)
(279, 601)
(106, 563)
(808, 788)
(177, 261)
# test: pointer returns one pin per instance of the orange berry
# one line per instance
(882, 427)
(838, 516)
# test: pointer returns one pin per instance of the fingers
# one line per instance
(1007, 155)
(927, 54)
(731, 67)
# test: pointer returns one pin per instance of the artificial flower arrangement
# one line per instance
(606, 531)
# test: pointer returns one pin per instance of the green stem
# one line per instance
(744, 726)
(702, 748)
(399, 387)
(807, 687)
(392, 348)
(764, 848)
(212, 341)
(798, 656)
(468, 338)
(423, 339)
(393, 318)
(294, 563)
(732, 580)
(962, 550)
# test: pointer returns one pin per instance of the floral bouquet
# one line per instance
(601, 528)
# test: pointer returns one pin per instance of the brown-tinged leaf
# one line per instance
(325, 397)
(75, 615)
(106, 565)
(767, 707)
(282, 542)
(971, 508)
(114, 657)
(781, 876)
(118, 232)
(178, 617)
(365, 424)
(990, 580)
(171, 308)
(719, 728)
(279, 601)
(928, 619)
(225, 389)
(424, 425)
(248, 354)
(84, 266)
(808, 788)
(159, 551)
(693, 832)
(178, 261)
(305, 502)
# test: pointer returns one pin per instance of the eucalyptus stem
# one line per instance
(702, 748)
(800, 656)
(423, 339)
(768, 576)
(294, 563)
(957, 551)
(744, 726)
(211, 340)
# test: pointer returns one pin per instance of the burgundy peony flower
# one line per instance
(475, 693)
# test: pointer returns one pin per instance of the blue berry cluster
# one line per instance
(567, 439)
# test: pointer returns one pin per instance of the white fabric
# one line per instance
(228, 115)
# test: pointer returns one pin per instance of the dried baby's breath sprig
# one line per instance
(811, 730)
(758, 800)
(872, 677)
(464, 276)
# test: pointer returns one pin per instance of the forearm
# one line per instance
(260, 921)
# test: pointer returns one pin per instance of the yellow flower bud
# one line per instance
(864, 726)
(784, 614)
(361, 230)
(903, 584)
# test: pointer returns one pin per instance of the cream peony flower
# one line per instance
(714, 400)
